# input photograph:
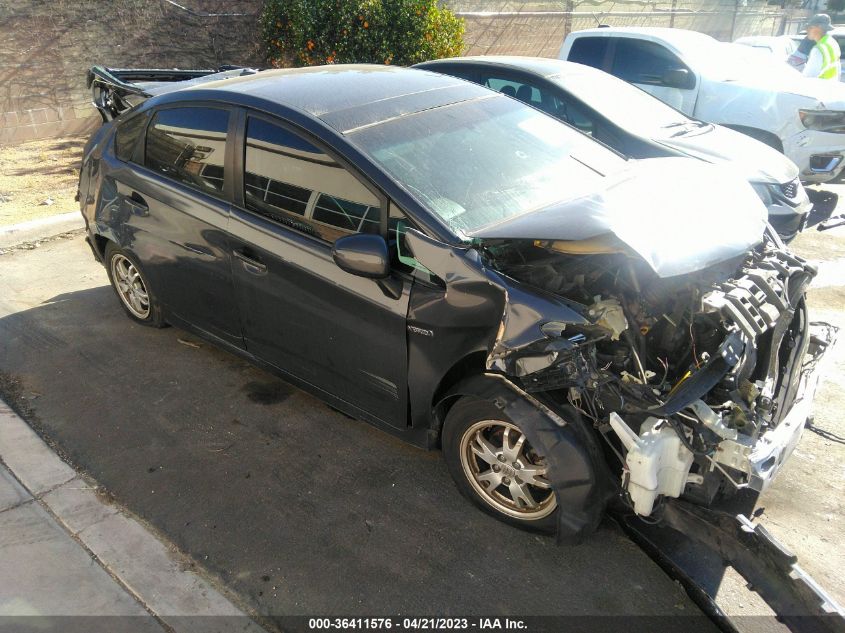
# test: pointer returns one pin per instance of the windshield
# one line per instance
(625, 105)
(477, 163)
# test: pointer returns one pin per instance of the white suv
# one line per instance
(726, 84)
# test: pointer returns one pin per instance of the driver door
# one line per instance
(337, 332)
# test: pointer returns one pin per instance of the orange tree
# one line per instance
(310, 32)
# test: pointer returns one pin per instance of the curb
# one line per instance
(40, 229)
(145, 567)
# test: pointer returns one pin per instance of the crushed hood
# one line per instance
(749, 158)
(678, 214)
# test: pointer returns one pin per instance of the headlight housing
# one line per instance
(823, 120)
(764, 190)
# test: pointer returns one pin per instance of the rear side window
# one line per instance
(590, 51)
(461, 71)
(127, 135)
(290, 181)
(527, 93)
(643, 62)
(189, 145)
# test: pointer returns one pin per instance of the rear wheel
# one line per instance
(495, 466)
(132, 288)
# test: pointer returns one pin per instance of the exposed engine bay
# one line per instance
(690, 379)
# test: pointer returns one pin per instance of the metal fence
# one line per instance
(538, 28)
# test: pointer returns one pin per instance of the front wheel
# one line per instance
(495, 466)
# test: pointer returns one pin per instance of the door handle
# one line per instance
(251, 264)
(137, 205)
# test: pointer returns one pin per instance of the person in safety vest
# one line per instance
(823, 61)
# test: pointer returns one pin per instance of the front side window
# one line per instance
(346, 214)
(290, 181)
(188, 144)
(643, 62)
(401, 257)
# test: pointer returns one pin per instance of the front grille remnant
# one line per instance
(755, 300)
(790, 189)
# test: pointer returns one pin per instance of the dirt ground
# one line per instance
(34, 172)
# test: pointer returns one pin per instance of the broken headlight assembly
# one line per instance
(823, 120)
(769, 192)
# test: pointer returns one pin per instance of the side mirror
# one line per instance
(679, 78)
(363, 255)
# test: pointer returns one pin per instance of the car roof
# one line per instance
(541, 66)
(681, 39)
(344, 96)
(555, 70)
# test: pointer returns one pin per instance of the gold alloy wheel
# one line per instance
(505, 471)
(130, 286)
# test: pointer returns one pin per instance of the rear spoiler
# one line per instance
(116, 90)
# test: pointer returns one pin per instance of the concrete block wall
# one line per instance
(538, 28)
(47, 46)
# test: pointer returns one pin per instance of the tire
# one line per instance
(132, 288)
(475, 434)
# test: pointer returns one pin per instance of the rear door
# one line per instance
(173, 210)
(338, 332)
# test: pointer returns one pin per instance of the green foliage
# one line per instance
(403, 32)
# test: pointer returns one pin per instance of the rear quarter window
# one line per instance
(127, 135)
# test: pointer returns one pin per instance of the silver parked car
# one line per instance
(638, 125)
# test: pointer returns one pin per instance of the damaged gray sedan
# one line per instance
(469, 273)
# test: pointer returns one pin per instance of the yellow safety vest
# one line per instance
(830, 58)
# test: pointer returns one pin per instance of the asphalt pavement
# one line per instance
(76, 562)
(294, 507)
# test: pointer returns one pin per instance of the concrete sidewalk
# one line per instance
(70, 561)
(41, 228)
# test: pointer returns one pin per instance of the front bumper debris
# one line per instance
(774, 447)
(657, 465)
(789, 208)
(689, 534)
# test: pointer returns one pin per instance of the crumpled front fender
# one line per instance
(487, 296)
(577, 469)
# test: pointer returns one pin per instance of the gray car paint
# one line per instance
(672, 212)
(340, 333)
